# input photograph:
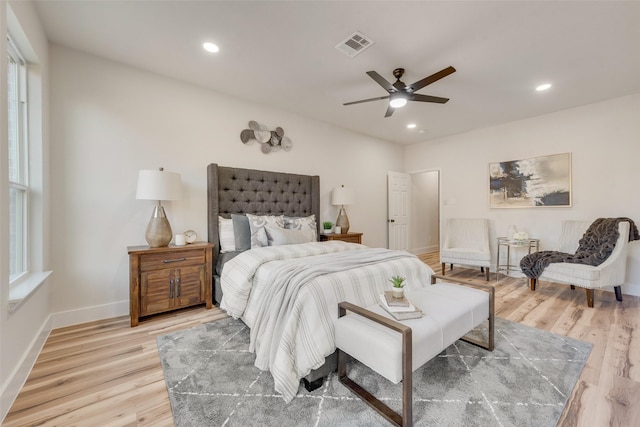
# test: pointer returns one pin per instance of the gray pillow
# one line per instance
(241, 231)
(281, 236)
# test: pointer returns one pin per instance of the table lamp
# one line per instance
(341, 196)
(158, 185)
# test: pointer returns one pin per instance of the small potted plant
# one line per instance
(398, 286)
(327, 225)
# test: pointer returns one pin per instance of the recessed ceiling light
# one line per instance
(422, 131)
(543, 87)
(411, 125)
(210, 47)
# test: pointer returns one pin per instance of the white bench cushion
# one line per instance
(450, 312)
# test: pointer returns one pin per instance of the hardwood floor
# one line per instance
(106, 373)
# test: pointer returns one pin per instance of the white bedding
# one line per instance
(294, 338)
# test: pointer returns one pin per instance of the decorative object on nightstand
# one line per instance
(158, 185)
(169, 278)
(326, 227)
(179, 240)
(341, 196)
(190, 236)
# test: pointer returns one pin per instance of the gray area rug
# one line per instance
(525, 381)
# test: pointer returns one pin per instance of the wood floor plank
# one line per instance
(107, 373)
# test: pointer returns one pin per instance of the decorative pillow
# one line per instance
(241, 231)
(281, 236)
(302, 223)
(257, 224)
(227, 239)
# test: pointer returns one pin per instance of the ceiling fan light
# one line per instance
(398, 102)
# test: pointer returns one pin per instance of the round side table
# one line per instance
(532, 245)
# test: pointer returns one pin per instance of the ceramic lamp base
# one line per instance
(343, 221)
(158, 230)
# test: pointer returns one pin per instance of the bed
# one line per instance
(288, 294)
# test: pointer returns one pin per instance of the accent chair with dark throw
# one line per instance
(591, 255)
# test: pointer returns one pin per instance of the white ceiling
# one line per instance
(282, 53)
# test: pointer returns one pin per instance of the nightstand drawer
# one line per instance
(351, 239)
(345, 237)
(158, 261)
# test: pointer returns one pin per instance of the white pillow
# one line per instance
(257, 224)
(281, 236)
(227, 238)
(302, 223)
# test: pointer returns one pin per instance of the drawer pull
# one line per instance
(167, 261)
(178, 287)
(171, 288)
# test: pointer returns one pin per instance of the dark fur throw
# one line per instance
(594, 248)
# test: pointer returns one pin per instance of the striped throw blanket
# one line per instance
(292, 322)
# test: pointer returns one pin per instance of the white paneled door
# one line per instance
(399, 192)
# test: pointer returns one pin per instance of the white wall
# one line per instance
(425, 221)
(604, 141)
(109, 120)
(23, 331)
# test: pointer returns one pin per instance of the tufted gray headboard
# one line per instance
(235, 190)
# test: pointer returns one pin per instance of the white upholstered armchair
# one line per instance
(610, 273)
(466, 242)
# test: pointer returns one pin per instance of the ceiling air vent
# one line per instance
(354, 44)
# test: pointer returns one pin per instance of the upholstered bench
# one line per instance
(395, 349)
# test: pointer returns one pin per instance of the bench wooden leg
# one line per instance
(532, 284)
(573, 287)
(491, 290)
(443, 268)
(618, 291)
(489, 344)
(406, 419)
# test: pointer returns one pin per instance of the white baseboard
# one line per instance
(20, 374)
(89, 314)
(631, 290)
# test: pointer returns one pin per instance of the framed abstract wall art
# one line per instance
(535, 182)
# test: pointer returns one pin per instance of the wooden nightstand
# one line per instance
(169, 278)
(345, 237)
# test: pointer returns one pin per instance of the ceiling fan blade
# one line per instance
(381, 81)
(390, 111)
(428, 98)
(366, 100)
(432, 78)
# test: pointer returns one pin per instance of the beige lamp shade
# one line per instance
(158, 185)
(341, 196)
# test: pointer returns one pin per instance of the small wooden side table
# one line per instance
(345, 237)
(169, 278)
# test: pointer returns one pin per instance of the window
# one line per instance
(18, 162)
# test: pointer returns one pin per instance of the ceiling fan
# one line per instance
(400, 93)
